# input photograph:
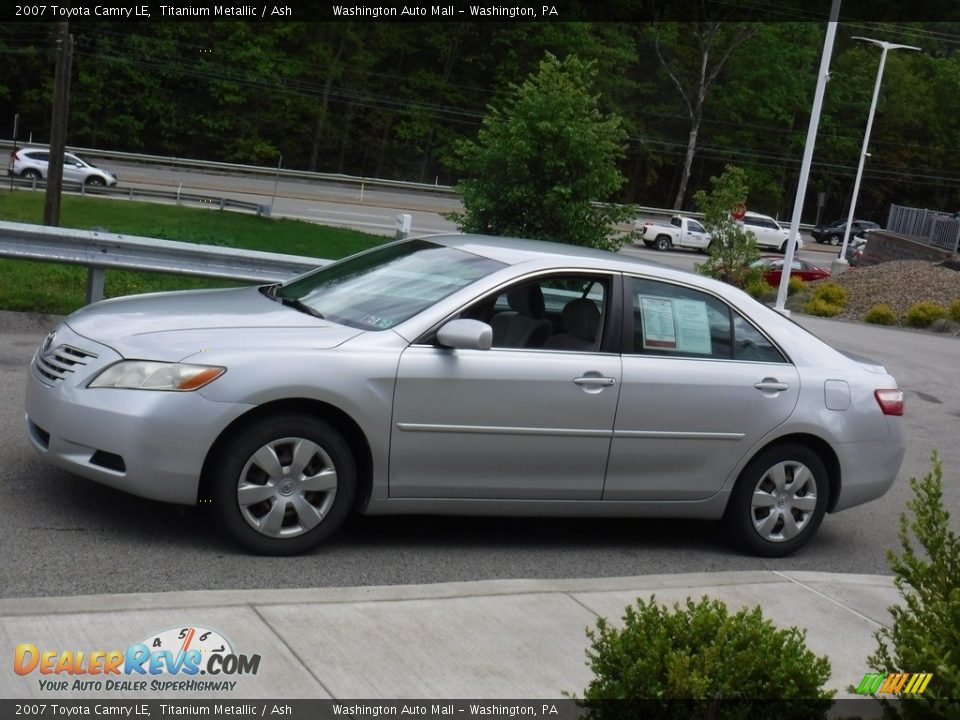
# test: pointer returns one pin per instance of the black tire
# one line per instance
(783, 248)
(764, 530)
(31, 174)
(95, 181)
(834, 240)
(286, 529)
(663, 242)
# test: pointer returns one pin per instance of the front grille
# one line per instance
(54, 365)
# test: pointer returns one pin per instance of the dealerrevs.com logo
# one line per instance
(168, 661)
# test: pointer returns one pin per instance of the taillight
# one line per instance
(890, 401)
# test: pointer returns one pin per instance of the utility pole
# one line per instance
(58, 124)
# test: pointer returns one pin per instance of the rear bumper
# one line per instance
(869, 469)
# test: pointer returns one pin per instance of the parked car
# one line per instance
(772, 266)
(768, 232)
(832, 234)
(681, 232)
(855, 249)
(35, 162)
(469, 375)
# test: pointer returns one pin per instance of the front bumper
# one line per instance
(147, 443)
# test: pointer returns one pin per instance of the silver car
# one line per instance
(468, 375)
(34, 163)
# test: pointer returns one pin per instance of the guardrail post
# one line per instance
(95, 278)
(223, 203)
(403, 226)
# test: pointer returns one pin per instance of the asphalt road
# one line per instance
(61, 535)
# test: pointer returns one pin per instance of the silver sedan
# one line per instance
(468, 375)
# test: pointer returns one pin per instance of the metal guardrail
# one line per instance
(242, 169)
(100, 251)
(131, 193)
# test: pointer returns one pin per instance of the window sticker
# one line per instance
(675, 324)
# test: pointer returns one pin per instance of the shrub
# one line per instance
(924, 314)
(795, 285)
(699, 652)
(818, 306)
(925, 636)
(759, 288)
(955, 310)
(881, 315)
(945, 326)
(831, 293)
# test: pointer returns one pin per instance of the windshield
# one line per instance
(380, 288)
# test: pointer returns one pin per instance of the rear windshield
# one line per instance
(380, 288)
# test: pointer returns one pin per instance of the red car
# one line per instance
(772, 266)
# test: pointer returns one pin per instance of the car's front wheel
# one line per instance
(96, 181)
(284, 484)
(834, 240)
(779, 501)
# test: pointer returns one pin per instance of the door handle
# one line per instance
(595, 380)
(771, 385)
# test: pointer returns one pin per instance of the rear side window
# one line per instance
(677, 321)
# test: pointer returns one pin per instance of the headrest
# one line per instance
(581, 318)
(527, 300)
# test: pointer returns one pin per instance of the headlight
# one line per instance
(147, 375)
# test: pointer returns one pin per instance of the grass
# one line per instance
(56, 288)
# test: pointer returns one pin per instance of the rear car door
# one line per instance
(701, 386)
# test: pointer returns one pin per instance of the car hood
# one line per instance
(172, 326)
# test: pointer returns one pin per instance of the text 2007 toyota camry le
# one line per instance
(468, 375)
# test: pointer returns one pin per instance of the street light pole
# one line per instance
(840, 264)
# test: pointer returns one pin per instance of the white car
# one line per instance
(768, 232)
(34, 163)
(681, 232)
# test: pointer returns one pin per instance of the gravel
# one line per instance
(899, 284)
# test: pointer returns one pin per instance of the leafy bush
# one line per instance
(945, 326)
(831, 293)
(795, 285)
(733, 248)
(881, 315)
(699, 652)
(828, 300)
(925, 636)
(924, 314)
(818, 306)
(759, 288)
(955, 310)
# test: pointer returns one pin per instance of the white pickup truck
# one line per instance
(681, 232)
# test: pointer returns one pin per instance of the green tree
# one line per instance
(732, 248)
(925, 636)
(544, 160)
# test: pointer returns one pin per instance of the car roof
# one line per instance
(750, 213)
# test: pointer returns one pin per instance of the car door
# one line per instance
(696, 235)
(73, 170)
(701, 386)
(511, 422)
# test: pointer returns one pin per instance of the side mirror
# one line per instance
(465, 334)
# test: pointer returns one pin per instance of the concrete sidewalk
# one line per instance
(490, 639)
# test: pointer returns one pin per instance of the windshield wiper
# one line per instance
(299, 305)
(271, 292)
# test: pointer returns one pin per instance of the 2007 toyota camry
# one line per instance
(468, 375)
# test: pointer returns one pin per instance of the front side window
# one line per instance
(383, 287)
(560, 312)
(695, 226)
(677, 321)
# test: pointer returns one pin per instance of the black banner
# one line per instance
(488, 709)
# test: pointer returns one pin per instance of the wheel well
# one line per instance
(335, 416)
(822, 448)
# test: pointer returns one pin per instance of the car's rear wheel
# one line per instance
(96, 181)
(284, 484)
(834, 240)
(663, 242)
(779, 501)
(32, 174)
